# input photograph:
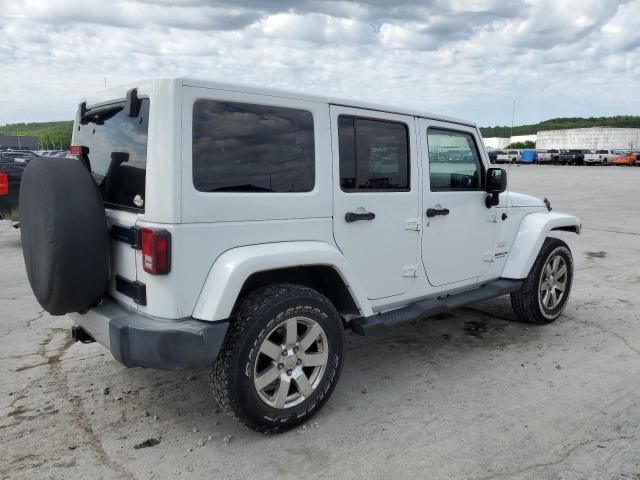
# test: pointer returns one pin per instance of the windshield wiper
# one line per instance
(99, 115)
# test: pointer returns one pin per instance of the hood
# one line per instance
(522, 200)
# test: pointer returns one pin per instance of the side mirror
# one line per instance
(496, 184)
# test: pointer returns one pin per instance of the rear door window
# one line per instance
(374, 155)
(117, 153)
(243, 147)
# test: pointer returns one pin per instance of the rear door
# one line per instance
(376, 197)
(117, 146)
(457, 244)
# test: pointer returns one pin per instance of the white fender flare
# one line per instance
(231, 269)
(533, 230)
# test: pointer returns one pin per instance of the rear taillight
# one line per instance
(4, 184)
(156, 251)
(78, 150)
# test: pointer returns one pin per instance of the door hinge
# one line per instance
(410, 271)
(491, 218)
(412, 224)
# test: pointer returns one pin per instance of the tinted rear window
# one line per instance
(118, 154)
(242, 147)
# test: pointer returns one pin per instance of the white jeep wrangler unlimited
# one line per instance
(244, 229)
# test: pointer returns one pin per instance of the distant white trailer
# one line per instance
(496, 143)
(524, 138)
(595, 138)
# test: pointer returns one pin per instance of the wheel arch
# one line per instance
(317, 265)
(534, 229)
(325, 279)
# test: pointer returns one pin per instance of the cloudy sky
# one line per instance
(467, 58)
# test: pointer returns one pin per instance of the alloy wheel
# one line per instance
(291, 362)
(553, 282)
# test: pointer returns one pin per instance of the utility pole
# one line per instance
(513, 116)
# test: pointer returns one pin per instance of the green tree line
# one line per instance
(620, 121)
(52, 135)
(522, 145)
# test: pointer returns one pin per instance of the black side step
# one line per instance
(433, 306)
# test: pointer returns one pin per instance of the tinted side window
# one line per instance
(454, 162)
(241, 147)
(374, 154)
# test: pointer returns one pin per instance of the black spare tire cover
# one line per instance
(65, 238)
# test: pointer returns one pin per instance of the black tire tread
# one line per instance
(525, 301)
(220, 373)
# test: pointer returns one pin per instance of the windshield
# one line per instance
(117, 153)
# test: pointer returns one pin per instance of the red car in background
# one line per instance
(629, 160)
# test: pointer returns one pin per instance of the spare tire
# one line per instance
(65, 237)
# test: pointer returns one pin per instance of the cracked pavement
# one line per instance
(467, 394)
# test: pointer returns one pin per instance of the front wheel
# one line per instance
(546, 289)
(281, 359)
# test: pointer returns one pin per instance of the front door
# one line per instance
(376, 197)
(457, 243)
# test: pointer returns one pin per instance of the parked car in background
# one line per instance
(502, 156)
(51, 153)
(509, 156)
(629, 159)
(564, 157)
(493, 155)
(11, 170)
(577, 157)
(18, 154)
(599, 157)
(547, 156)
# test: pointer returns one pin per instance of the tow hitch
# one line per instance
(79, 334)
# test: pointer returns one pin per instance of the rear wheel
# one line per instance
(281, 359)
(546, 289)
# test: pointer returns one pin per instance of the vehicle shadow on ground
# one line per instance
(177, 403)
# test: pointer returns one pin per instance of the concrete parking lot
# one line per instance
(469, 394)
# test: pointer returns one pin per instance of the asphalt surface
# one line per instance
(469, 395)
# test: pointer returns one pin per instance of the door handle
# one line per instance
(434, 212)
(351, 217)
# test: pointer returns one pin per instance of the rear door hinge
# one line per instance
(410, 271)
(412, 224)
(491, 218)
(488, 257)
(128, 235)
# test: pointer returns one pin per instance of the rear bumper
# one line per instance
(138, 341)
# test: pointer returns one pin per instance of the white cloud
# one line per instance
(462, 57)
